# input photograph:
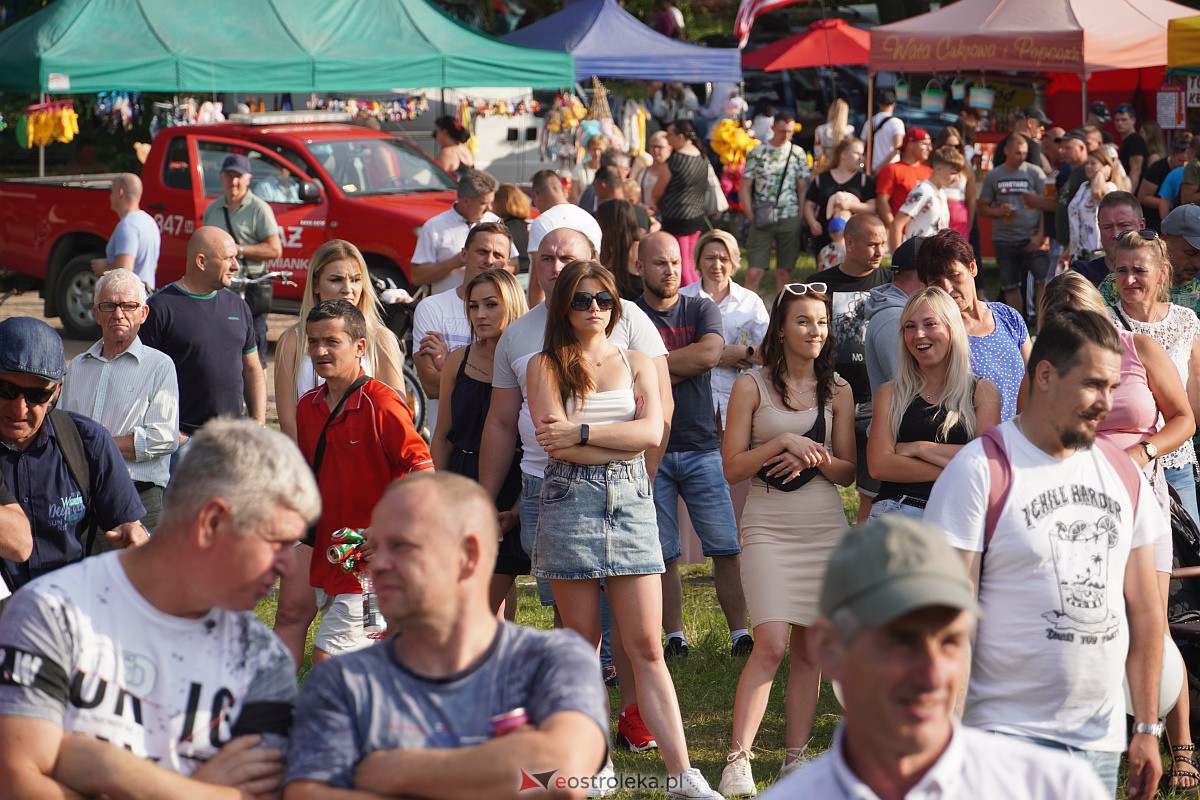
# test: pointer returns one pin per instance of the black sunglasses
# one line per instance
(1145, 233)
(33, 397)
(582, 301)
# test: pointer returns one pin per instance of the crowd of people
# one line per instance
(582, 430)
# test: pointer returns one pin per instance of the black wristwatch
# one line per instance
(584, 432)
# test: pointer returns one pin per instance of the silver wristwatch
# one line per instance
(1155, 729)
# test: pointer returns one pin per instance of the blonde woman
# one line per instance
(933, 407)
(835, 128)
(1081, 213)
(337, 271)
(493, 299)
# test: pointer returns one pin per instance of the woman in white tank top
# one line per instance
(597, 409)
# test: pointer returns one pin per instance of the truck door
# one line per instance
(301, 216)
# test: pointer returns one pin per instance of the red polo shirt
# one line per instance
(897, 179)
(370, 444)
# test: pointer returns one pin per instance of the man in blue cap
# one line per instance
(64, 470)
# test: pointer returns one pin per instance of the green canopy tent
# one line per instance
(261, 46)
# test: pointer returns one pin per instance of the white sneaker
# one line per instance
(690, 785)
(605, 782)
(800, 757)
(736, 778)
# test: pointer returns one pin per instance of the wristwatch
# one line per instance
(1151, 450)
(584, 432)
(749, 351)
(1155, 729)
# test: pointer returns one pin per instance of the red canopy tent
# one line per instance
(825, 43)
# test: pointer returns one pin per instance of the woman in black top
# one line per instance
(679, 191)
(934, 406)
(493, 300)
(841, 175)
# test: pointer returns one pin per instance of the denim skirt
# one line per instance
(596, 521)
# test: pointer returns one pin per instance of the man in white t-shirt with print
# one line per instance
(925, 211)
(440, 323)
(1067, 588)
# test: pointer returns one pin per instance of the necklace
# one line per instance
(480, 370)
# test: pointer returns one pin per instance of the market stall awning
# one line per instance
(261, 46)
(1077, 36)
(609, 42)
(826, 42)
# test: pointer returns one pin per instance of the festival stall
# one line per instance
(609, 42)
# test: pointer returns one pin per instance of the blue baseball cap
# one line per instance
(31, 347)
(236, 163)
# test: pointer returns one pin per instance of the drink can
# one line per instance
(347, 535)
(338, 553)
(509, 721)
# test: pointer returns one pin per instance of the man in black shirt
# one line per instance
(849, 285)
(1133, 150)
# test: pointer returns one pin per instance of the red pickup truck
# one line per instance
(323, 180)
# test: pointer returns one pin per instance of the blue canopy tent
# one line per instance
(609, 42)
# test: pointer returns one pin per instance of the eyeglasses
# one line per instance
(801, 289)
(128, 307)
(582, 301)
(33, 397)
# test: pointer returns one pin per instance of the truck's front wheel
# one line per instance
(75, 290)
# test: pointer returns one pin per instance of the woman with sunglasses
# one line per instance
(790, 430)
(596, 410)
(493, 299)
(1143, 273)
(933, 407)
(996, 332)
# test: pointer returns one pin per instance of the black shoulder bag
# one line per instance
(817, 434)
(766, 215)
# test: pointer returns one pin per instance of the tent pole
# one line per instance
(43, 98)
(1083, 94)
(870, 128)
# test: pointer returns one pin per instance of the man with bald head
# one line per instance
(134, 243)
(208, 332)
(691, 467)
(459, 704)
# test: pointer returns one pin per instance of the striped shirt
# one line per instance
(135, 393)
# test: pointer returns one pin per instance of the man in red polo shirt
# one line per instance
(896, 180)
(369, 443)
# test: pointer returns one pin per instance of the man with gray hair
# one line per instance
(135, 242)
(155, 679)
(129, 388)
(897, 616)
(439, 259)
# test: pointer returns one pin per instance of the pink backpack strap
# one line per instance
(999, 480)
(1127, 471)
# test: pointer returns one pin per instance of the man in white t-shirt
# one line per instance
(925, 211)
(897, 614)
(438, 257)
(886, 131)
(440, 322)
(1067, 588)
(144, 672)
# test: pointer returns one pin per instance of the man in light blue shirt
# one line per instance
(136, 239)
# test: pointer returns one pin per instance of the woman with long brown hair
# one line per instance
(597, 410)
(790, 429)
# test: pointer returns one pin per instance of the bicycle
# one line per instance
(398, 317)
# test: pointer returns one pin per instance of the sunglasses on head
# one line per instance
(33, 397)
(801, 289)
(582, 301)
(1145, 233)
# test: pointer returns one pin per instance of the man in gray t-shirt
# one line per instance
(1018, 233)
(458, 703)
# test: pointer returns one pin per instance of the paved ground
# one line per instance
(30, 304)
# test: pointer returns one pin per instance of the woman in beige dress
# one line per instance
(793, 518)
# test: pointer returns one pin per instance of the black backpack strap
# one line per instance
(71, 444)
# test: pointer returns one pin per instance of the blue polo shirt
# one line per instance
(41, 482)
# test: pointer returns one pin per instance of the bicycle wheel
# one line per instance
(415, 397)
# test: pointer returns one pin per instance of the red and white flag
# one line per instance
(749, 10)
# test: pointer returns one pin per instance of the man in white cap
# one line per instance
(897, 616)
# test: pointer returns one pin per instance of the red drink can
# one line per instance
(509, 721)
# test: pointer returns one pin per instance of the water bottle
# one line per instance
(374, 624)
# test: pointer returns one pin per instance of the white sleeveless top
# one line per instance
(606, 408)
